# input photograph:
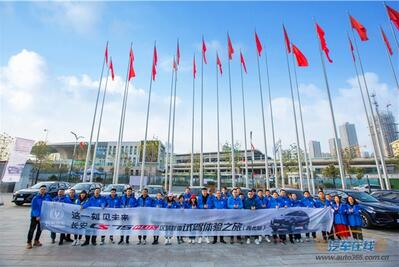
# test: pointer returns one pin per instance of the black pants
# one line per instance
(111, 237)
(313, 235)
(93, 239)
(215, 238)
(331, 233)
(324, 234)
(62, 237)
(238, 239)
(127, 238)
(33, 225)
(282, 237)
(142, 236)
(76, 237)
(156, 238)
(357, 232)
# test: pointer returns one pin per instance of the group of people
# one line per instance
(347, 219)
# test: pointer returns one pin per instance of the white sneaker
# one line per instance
(260, 239)
(257, 241)
(248, 241)
(301, 240)
(267, 239)
(166, 241)
(75, 242)
(199, 240)
(78, 242)
(207, 240)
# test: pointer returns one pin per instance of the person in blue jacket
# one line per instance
(70, 199)
(320, 203)
(112, 201)
(263, 202)
(284, 199)
(218, 202)
(354, 218)
(187, 194)
(234, 202)
(340, 220)
(295, 203)
(225, 193)
(308, 202)
(204, 202)
(193, 204)
(144, 201)
(127, 201)
(181, 203)
(268, 194)
(35, 217)
(276, 203)
(95, 201)
(60, 197)
(212, 197)
(78, 201)
(251, 203)
(169, 203)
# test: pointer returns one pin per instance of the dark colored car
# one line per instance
(23, 196)
(373, 211)
(89, 187)
(298, 192)
(391, 196)
(290, 222)
(120, 189)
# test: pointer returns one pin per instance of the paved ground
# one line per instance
(14, 227)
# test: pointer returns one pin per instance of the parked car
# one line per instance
(290, 222)
(366, 188)
(373, 211)
(154, 189)
(23, 196)
(89, 187)
(391, 196)
(120, 189)
(296, 191)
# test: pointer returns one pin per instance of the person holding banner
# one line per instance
(322, 202)
(295, 203)
(127, 201)
(225, 193)
(63, 199)
(193, 204)
(218, 202)
(144, 201)
(263, 200)
(158, 203)
(234, 202)
(340, 220)
(95, 201)
(354, 218)
(204, 202)
(82, 198)
(70, 199)
(35, 217)
(187, 194)
(275, 203)
(308, 202)
(251, 203)
(169, 203)
(112, 201)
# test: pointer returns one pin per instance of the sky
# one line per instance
(51, 55)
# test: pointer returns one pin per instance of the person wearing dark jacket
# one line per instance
(35, 217)
(218, 202)
(127, 201)
(63, 199)
(354, 218)
(144, 201)
(95, 201)
(340, 220)
(251, 203)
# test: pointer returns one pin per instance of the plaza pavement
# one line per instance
(14, 222)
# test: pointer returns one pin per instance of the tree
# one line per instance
(41, 152)
(330, 172)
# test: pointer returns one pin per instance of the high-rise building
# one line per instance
(314, 149)
(389, 130)
(333, 150)
(350, 145)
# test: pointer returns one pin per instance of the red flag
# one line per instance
(387, 42)
(106, 54)
(352, 49)
(287, 41)
(194, 68)
(323, 43)
(204, 50)
(300, 57)
(230, 48)
(243, 62)
(258, 44)
(111, 67)
(361, 30)
(82, 145)
(154, 63)
(393, 15)
(174, 64)
(132, 73)
(178, 53)
(219, 63)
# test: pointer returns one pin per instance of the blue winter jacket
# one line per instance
(186, 197)
(37, 204)
(81, 202)
(128, 202)
(95, 202)
(202, 201)
(285, 201)
(339, 213)
(295, 203)
(112, 202)
(158, 203)
(219, 203)
(321, 204)
(181, 205)
(308, 202)
(231, 202)
(170, 205)
(69, 200)
(251, 202)
(62, 199)
(145, 202)
(263, 201)
(274, 203)
(353, 212)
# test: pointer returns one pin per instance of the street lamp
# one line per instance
(74, 151)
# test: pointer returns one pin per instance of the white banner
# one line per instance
(16, 162)
(68, 218)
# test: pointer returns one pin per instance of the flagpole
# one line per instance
(192, 129)
(374, 124)
(93, 122)
(202, 120)
(146, 129)
(281, 164)
(390, 60)
(121, 125)
(245, 126)
(173, 134)
(233, 178)
(302, 125)
(99, 126)
(263, 124)
(369, 124)
(272, 121)
(337, 147)
(298, 146)
(392, 29)
(170, 115)
(217, 118)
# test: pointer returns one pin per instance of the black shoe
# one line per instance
(60, 243)
(155, 243)
(120, 242)
(68, 240)
(292, 241)
(127, 241)
(85, 244)
(94, 243)
(224, 242)
(52, 241)
(214, 242)
(139, 243)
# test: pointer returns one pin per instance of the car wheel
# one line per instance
(366, 223)
(19, 203)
